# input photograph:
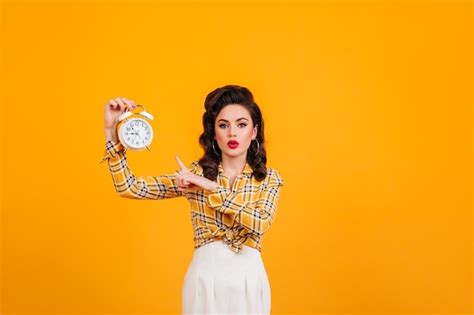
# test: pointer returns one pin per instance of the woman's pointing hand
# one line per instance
(185, 180)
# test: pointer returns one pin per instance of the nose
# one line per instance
(231, 132)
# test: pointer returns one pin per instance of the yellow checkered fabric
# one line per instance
(239, 215)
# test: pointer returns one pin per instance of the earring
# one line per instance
(258, 147)
(214, 148)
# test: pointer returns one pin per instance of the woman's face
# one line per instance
(233, 123)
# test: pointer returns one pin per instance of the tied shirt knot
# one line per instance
(234, 237)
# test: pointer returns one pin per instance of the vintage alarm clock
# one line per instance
(134, 129)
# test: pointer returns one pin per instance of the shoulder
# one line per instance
(274, 176)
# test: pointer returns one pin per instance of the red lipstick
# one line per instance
(233, 144)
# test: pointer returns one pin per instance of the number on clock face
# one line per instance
(137, 133)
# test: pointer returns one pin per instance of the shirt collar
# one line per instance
(247, 169)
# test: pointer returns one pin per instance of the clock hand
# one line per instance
(136, 133)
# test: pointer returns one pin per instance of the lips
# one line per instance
(233, 144)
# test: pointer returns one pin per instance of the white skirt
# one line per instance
(220, 281)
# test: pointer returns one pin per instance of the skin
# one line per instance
(233, 122)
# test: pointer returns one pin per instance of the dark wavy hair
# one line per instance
(214, 103)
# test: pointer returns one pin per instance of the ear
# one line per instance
(254, 132)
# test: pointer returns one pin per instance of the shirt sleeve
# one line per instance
(256, 217)
(144, 187)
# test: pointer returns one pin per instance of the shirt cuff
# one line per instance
(111, 150)
(217, 196)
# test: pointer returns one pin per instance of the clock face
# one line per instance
(136, 133)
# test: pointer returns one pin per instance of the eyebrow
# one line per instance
(236, 120)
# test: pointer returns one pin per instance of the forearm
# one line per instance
(255, 213)
(111, 134)
(130, 186)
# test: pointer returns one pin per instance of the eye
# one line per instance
(244, 124)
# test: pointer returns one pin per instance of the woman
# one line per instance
(233, 198)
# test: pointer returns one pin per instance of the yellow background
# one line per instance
(368, 117)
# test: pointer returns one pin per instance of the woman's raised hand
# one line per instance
(185, 180)
(114, 108)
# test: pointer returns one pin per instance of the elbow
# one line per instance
(127, 193)
(262, 227)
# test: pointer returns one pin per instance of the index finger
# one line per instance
(181, 164)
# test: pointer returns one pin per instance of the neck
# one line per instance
(233, 166)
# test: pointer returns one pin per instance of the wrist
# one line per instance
(110, 134)
(213, 185)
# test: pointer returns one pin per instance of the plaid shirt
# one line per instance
(238, 215)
